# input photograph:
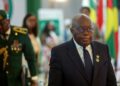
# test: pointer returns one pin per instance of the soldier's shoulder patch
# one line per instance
(20, 30)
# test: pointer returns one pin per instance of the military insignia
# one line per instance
(97, 58)
(16, 33)
(20, 30)
(1, 17)
(16, 46)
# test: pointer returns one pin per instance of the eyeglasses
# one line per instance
(82, 30)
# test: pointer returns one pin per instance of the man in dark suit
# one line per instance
(81, 61)
(14, 41)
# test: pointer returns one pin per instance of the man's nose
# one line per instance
(86, 33)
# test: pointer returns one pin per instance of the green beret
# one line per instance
(3, 15)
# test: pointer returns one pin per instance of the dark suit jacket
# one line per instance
(67, 69)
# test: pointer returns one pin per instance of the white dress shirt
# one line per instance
(80, 51)
(8, 33)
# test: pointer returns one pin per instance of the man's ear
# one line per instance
(72, 31)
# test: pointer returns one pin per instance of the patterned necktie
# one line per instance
(88, 64)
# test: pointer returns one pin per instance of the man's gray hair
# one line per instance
(74, 22)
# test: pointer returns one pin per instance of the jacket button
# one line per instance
(16, 34)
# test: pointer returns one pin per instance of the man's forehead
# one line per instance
(83, 25)
(84, 22)
(81, 20)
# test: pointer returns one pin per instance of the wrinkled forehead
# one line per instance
(82, 20)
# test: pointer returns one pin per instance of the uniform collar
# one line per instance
(8, 31)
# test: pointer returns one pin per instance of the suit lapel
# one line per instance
(74, 56)
(96, 60)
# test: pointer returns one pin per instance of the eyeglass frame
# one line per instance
(79, 28)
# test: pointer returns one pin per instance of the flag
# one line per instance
(100, 14)
(115, 12)
(8, 6)
(110, 31)
(93, 10)
(92, 5)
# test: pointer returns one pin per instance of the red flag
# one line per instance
(100, 14)
(6, 5)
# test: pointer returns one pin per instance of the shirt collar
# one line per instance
(8, 31)
(79, 46)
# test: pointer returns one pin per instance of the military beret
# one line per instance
(3, 15)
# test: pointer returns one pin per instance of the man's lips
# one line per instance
(86, 37)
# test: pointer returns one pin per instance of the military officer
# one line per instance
(14, 42)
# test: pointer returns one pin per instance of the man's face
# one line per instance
(82, 32)
(4, 25)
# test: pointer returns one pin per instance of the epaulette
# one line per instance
(20, 30)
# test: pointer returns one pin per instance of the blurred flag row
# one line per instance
(105, 14)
